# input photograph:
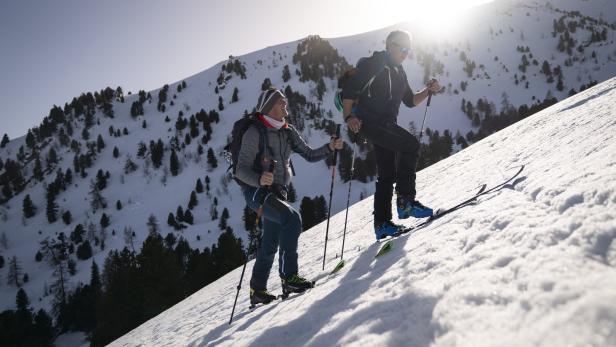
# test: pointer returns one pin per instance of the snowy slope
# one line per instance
(530, 265)
(149, 191)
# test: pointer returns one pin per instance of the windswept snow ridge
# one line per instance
(529, 265)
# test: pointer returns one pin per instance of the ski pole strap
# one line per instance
(335, 150)
(429, 98)
(267, 191)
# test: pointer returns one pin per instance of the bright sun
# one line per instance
(434, 18)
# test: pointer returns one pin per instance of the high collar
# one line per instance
(387, 59)
(268, 124)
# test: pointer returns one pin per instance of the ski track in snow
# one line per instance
(529, 265)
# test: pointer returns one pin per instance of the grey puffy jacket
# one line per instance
(282, 144)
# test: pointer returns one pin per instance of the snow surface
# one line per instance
(530, 265)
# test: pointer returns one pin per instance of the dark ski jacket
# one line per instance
(380, 102)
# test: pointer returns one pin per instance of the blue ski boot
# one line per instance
(387, 228)
(409, 207)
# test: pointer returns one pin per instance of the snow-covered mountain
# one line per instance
(497, 55)
(532, 264)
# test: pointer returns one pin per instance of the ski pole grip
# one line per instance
(272, 165)
(429, 98)
(336, 151)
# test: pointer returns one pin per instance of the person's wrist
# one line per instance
(346, 119)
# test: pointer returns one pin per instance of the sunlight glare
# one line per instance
(436, 19)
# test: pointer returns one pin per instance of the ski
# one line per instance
(338, 267)
(253, 307)
(281, 297)
(388, 242)
(387, 246)
(285, 295)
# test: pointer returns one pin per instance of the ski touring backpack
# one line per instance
(232, 149)
(344, 79)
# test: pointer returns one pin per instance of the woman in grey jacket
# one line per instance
(265, 191)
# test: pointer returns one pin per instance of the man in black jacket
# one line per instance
(371, 101)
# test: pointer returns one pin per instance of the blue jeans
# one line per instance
(282, 225)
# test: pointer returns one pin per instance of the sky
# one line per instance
(52, 51)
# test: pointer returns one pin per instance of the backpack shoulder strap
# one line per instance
(382, 67)
(289, 130)
(263, 140)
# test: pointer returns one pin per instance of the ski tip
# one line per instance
(338, 267)
(385, 248)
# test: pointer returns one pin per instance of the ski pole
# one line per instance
(239, 286)
(425, 115)
(259, 212)
(346, 216)
(331, 192)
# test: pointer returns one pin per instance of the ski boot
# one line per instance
(387, 228)
(409, 207)
(260, 297)
(295, 284)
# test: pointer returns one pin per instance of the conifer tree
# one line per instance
(222, 224)
(193, 200)
(320, 209)
(52, 207)
(174, 165)
(306, 210)
(14, 275)
(152, 224)
(172, 222)
(67, 217)
(286, 74)
(5, 141)
(84, 250)
(104, 220)
(97, 201)
(28, 207)
(266, 84)
(30, 140)
(85, 134)
(52, 157)
(160, 273)
(188, 217)
(44, 331)
(179, 214)
(207, 184)
(211, 159)
(101, 180)
(100, 144)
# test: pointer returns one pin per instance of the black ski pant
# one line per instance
(396, 152)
